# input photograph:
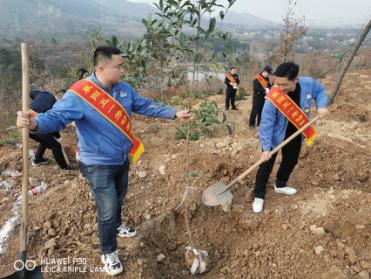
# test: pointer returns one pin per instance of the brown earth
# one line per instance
(322, 232)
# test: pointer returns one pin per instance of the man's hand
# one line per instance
(266, 90)
(25, 119)
(182, 114)
(266, 155)
(322, 112)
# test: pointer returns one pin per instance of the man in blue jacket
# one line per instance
(104, 148)
(275, 128)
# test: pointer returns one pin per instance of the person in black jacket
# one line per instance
(261, 86)
(232, 81)
(42, 102)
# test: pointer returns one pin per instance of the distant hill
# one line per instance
(45, 17)
(247, 20)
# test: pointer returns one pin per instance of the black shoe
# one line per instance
(39, 162)
(235, 109)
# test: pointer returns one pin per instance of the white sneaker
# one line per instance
(125, 231)
(257, 205)
(285, 190)
(112, 264)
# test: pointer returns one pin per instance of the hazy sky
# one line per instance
(329, 12)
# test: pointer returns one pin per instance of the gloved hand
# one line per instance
(266, 90)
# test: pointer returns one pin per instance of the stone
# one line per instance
(162, 169)
(50, 244)
(351, 254)
(147, 216)
(142, 173)
(160, 257)
(360, 227)
(318, 250)
(363, 275)
(52, 232)
(317, 230)
(47, 225)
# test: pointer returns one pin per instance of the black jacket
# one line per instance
(258, 89)
(42, 101)
(228, 83)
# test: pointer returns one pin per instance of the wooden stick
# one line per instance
(25, 134)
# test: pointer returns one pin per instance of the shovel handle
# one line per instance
(275, 150)
(25, 132)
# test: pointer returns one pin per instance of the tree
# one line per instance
(293, 29)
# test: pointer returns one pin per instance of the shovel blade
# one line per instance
(26, 274)
(216, 194)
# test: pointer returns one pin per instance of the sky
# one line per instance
(316, 12)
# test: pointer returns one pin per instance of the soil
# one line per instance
(322, 232)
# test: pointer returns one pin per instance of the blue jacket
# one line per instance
(100, 142)
(273, 124)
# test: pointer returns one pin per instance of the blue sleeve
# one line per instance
(266, 125)
(147, 107)
(63, 112)
(319, 94)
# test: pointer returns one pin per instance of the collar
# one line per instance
(94, 79)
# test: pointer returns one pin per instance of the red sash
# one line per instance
(233, 81)
(262, 81)
(292, 112)
(110, 109)
(231, 78)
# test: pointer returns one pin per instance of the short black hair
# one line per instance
(81, 72)
(288, 69)
(105, 52)
(233, 67)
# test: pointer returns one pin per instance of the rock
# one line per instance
(365, 265)
(318, 250)
(142, 173)
(50, 244)
(351, 254)
(87, 228)
(285, 226)
(362, 176)
(162, 169)
(360, 227)
(174, 156)
(356, 268)
(160, 257)
(226, 207)
(147, 216)
(317, 230)
(193, 207)
(363, 275)
(47, 225)
(55, 223)
(36, 228)
(52, 232)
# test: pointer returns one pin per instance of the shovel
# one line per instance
(25, 269)
(219, 193)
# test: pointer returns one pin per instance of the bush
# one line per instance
(208, 119)
(241, 94)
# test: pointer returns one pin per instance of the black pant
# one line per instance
(230, 97)
(290, 156)
(49, 141)
(257, 108)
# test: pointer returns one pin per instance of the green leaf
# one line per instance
(221, 14)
